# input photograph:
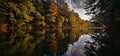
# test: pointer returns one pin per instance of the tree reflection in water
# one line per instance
(37, 42)
(105, 44)
(77, 48)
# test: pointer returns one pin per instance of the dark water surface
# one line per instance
(37, 42)
(59, 42)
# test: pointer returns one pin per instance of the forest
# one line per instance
(48, 27)
(105, 13)
(36, 27)
(22, 15)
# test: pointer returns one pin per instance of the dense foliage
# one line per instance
(104, 12)
(25, 27)
(37, 13)
(107, 13)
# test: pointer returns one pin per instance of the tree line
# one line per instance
(31, 14)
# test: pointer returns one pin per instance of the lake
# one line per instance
(54, 42)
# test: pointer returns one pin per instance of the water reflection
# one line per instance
(104, 44)
(36, 42)
(57, 42)
(77, 48)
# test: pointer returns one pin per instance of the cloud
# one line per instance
(78, 3)
(78, 7)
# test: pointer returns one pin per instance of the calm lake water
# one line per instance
(53, 42)
(77, 48)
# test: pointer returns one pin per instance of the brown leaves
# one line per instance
(53, 9)
(3, 27)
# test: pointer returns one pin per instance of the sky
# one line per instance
(78, 7)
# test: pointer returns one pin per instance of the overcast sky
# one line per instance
(78, 6)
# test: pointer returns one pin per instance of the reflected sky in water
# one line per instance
(77, 48)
